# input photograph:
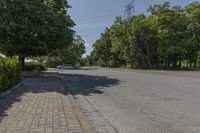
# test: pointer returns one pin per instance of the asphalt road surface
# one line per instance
(130, 101)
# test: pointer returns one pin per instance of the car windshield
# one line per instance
(67, 65)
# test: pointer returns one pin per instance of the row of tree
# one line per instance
(167, 38)
(32, 28)
(72, 54)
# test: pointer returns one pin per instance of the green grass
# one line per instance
(29, 74)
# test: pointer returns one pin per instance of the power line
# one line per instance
(91, 28)
(95, 22)
(97, 17)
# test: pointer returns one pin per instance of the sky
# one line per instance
(93, 16)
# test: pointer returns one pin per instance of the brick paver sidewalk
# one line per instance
(40, 106)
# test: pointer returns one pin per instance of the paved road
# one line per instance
(128, 101)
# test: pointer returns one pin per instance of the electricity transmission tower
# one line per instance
(129, 9)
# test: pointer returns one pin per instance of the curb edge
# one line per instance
(4, 94)
(85, 123)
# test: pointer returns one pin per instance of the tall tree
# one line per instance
(165, 39)
(102, 49)
(33, 28)
(118, 40)
(193, 33)
(172, 24)
(73, 53)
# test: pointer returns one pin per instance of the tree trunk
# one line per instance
(180, 63)
(131, 64)
(195, 62)
(22, 62)
(190, 63)
(149, 58)
(106, 63)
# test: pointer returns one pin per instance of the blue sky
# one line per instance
(93, 16)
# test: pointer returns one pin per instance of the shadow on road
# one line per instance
(79, 84)
(88, 68)
(82, 85)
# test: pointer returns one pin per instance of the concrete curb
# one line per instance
(9, 91)
(46, 73)
(85, 123)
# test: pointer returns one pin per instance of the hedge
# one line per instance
(30, 66)
(9, 73)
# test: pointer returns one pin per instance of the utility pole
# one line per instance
(129, 9)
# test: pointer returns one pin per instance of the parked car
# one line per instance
(66, 66)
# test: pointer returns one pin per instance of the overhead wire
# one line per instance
(97, 17)
(91, 28)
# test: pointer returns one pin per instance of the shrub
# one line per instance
(54, 61)
(9, 73)
(30, 66)
(77, 66)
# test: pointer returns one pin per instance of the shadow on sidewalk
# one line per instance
(86, 85)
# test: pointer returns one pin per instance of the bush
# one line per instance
(31, 66)
(54, 61)
(77, 66)
(9, 73)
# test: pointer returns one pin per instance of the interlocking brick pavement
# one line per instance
(39, 106)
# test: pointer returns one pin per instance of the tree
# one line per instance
(73, 53)
(33, 28)
(193, 33)
(165, 39)
(172, 24)
(118, 40)
(102, 49)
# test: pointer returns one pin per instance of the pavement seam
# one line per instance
(85, 124)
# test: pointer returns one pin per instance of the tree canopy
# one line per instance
(34, 28)
(168, 38)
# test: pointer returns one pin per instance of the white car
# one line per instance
(66, 66)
